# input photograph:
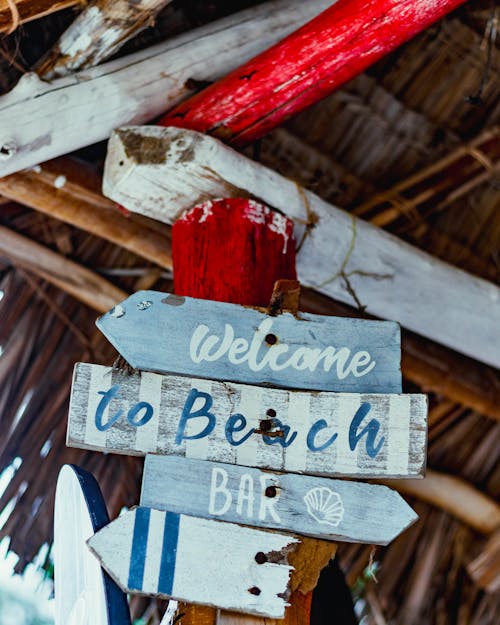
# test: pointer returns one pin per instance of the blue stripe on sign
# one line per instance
(168, 553)
(139, 545)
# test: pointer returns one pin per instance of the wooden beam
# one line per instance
(69, 190)
(78, 110)
(98, 32)
(161, 172)
(80, 282)
(455, 496)
(306, 66)
(13, 13)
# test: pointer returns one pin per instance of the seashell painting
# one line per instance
(324, 505)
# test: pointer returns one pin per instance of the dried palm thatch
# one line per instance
(412, 145)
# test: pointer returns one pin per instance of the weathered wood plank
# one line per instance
(74, 111)
(341, 254)
(84, 593)
(311, 506)
(231, 342)
(165, 554)
(100, 30)
(319, 433)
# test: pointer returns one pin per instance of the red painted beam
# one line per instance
(305, 67)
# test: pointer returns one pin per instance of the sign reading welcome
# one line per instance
(155, 331)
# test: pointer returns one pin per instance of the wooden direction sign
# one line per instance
(374, 435)
(161, 332)
(196, 560)
(312, 506)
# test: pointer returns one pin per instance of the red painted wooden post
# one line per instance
(306, 66)
(234, 250)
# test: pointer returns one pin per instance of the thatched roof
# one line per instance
(413, 145)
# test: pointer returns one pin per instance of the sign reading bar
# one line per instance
(374, 435)
(312, 506)
(165, 554)
(169, 334)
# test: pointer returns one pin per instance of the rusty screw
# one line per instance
(271, 491)
(260, 557)
(271, 339)
(254, 590)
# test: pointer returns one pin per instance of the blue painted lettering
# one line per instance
(237, 423)
(371, 430)
(186, 415)
(311, 436)
(107, 398)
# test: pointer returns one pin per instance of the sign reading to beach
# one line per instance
(165, 333)
(323, 433)
(312, 506)
(166, 554)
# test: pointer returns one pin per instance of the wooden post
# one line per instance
(306, 66)
(234, 250)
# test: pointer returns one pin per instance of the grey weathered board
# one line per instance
(374, 435)
(165, 554)
(161, 332)
(312, 506)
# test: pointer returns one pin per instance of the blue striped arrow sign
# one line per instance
(165, 554)
(160, 332)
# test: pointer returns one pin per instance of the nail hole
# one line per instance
(260, 557)
(271, 412)
(121, 163)
(254, 590)
(266, 425)
(271, 339)
(271, 491)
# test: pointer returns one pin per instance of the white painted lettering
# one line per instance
(220, 475)
(245, 494)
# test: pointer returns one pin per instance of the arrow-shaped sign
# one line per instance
(160, 332)
(196, 560)
(374, 435)
(313, 506)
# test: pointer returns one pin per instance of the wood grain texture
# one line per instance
(238, 246)
(97, 33)
(81, 109)
(306, 66)
(83, 284)
(84, 593)
(28, 10)
(341, 254)
(231, 342)
(296, 614)
(164, 554)
(317, 433)
(311, 506)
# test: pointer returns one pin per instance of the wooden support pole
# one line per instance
(80, 282)
(306, 66)
(13, 13)
(98, 32)
(234, 250)
(55, 118)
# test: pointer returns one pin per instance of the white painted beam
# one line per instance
(161, 172)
